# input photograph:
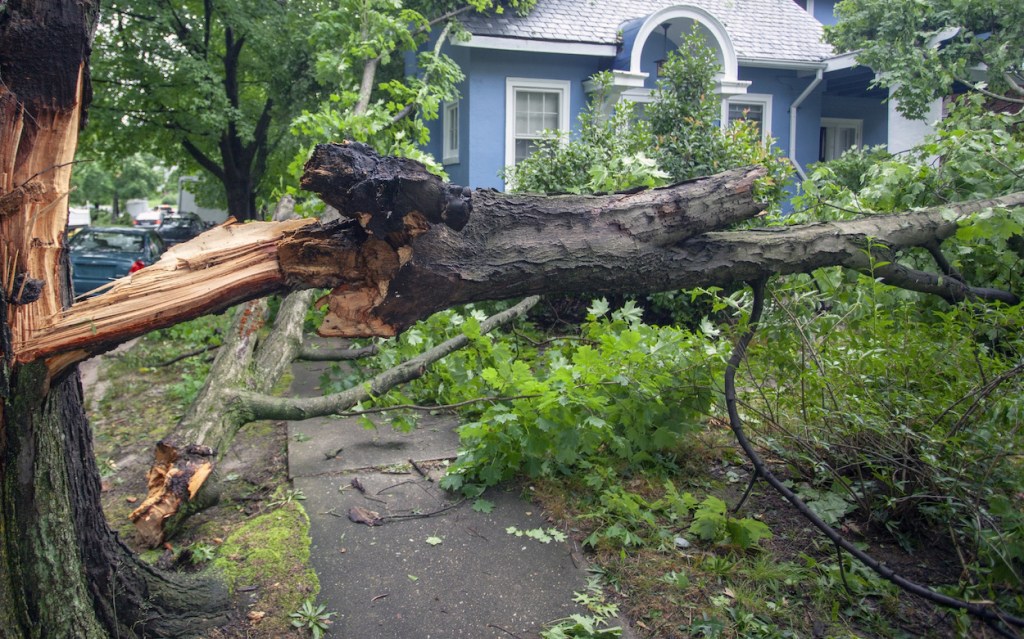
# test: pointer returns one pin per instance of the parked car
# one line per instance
(179, 228)
(150, 219)
(100, 255)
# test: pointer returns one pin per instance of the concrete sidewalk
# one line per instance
(435, 568)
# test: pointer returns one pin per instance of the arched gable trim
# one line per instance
(717, 30)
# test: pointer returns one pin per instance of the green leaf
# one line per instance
(434, 541)
(483, 505)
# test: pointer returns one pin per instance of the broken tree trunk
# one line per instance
(413, 245)
(63, 572)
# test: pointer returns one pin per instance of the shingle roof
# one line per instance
(760, 29)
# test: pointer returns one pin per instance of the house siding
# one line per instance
(482, 152)
(825, 11)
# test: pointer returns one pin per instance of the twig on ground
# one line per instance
(419, 470)
(497, 627)
(433, 513)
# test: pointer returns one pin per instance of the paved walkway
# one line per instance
(455, 574)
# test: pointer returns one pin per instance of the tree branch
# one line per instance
(990, 94)
(412, 245)
(266, 407)
(202, 159)
(336, 354)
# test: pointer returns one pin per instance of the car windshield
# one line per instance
(177, 222)
(107, 241)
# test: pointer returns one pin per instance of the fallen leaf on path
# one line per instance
(433, 541)
(256, 616)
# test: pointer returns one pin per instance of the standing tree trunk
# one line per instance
(63, 572)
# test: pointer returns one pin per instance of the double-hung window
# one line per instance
(533, 107)
(450, 133)
(750, 107)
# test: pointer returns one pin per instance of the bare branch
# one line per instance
(266, 407)
(336, 354)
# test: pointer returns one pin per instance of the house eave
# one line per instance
(774, 63)
(539, 46)
(842, 61)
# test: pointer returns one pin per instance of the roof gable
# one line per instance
(760, 30)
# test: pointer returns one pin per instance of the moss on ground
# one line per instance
(270, 553)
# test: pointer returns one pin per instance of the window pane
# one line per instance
(837, 139)
(752, 112)
(535, 112)
(523, 149)
(453, 128)
(521, 127)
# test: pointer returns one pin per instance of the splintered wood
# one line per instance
(175, 477)
(222, 267)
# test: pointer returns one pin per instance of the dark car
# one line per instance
(102, 255)
(179, 228)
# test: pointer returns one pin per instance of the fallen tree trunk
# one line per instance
(413, 245)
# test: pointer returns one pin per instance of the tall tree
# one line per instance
(923, 49)
(63, 572)
(205, 85)
(105, 180)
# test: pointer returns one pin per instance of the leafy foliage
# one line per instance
(921, 50)
(610, 153)
(362, 48)
(622, 389)
(591, 626)
(313, 617)
(392, 120)
(678, 138)
(208, 87)
(101, 180)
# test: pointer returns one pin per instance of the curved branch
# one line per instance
(947, 287)
(202, 159)
(935, 250)
(989, 614)
(989, 94)
(266, 407)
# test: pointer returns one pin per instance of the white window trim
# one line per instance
(854, 123)
(562, 87)
(763, 99)
(450, 155)
(639, 96)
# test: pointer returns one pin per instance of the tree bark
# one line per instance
(63, 573)
(413, 245)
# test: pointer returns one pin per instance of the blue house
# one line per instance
(528, 74)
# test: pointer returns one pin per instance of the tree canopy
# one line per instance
(208, 86)
(923, 50)
(102, 180)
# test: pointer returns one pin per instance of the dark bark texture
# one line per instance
(63, 572)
